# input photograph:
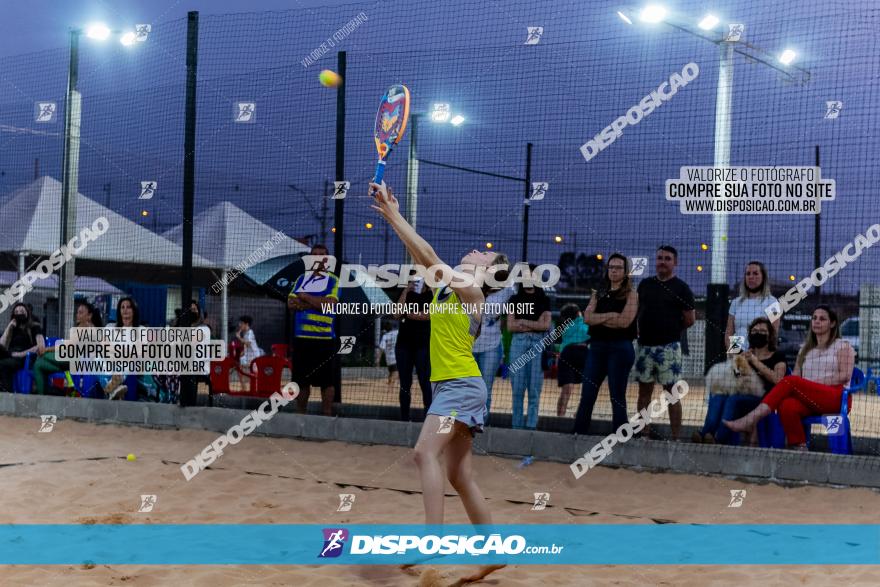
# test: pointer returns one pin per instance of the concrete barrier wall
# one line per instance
(753, 463)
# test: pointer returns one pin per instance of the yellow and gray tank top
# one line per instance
(453, 332)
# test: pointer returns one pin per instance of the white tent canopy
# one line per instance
(32, 224)
(227, 235)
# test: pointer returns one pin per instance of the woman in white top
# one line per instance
(488, 350)
(754, 298)
(824, 365)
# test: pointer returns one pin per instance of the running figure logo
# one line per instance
(638, 265)
(539, 190)
(833, 108)
(147, 503)
(142, 31)
(446, 423)
(346, 345)
(45, 111)
(334, 540)
(340, 189)
(245, 112)
(833, 425)
(317, 268)
(734, 33)
(736, 344)
(541, 501)
(534, 36)
(47, 423)
(346, 500)
(737, 497)
(148, 190)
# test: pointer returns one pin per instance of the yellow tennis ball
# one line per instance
(131, 457)
(329, 79)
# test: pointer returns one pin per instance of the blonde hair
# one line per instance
(812, 342)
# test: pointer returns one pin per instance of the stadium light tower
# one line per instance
(441, 113)
(70, 169)
(729, 42)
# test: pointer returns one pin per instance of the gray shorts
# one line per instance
(464, 399)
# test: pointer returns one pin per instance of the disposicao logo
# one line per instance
(334, 540)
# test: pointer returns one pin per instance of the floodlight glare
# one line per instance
(457, 119)
(98, 31)
(128, 38)
(653, 13)
(787, 57)
(624, 17)
(440, 113)
(708, 23)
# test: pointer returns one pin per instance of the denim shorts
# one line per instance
(464, 399)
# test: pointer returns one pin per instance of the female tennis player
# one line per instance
(459, 392)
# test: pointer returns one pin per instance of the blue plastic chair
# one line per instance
(771, 434)
(24, 380)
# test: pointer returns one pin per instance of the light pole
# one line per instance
(70, 165)
(69, 183)
(718, 290)
(440, 114)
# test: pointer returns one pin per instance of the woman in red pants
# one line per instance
(824, 365)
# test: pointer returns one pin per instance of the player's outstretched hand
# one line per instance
(385, 202)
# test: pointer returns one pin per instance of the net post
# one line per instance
(189, 157)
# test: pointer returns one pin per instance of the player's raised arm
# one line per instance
(422, 252)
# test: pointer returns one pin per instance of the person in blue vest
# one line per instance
(314, 297)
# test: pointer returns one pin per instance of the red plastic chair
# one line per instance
(265, 376)
(281, 351)
(219, 375)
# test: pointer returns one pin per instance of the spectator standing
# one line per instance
(413, 349)
(314, 336)
(529, 322)
(754, 297)
(572, 354)
(666, 310)
(611, 315)
(488, 348)
(387, 346)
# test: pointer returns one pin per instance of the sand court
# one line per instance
(79, 474)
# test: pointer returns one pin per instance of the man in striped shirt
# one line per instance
(314, 336)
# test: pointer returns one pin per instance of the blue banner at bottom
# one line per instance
(280, 544)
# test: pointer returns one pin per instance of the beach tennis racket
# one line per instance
(390, 125)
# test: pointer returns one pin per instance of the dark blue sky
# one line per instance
(43, 24)
(589, 69)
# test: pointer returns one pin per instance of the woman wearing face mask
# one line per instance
(824, 365)
(754, 297)
(768, 363)
(87, 316)
(21, 336)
